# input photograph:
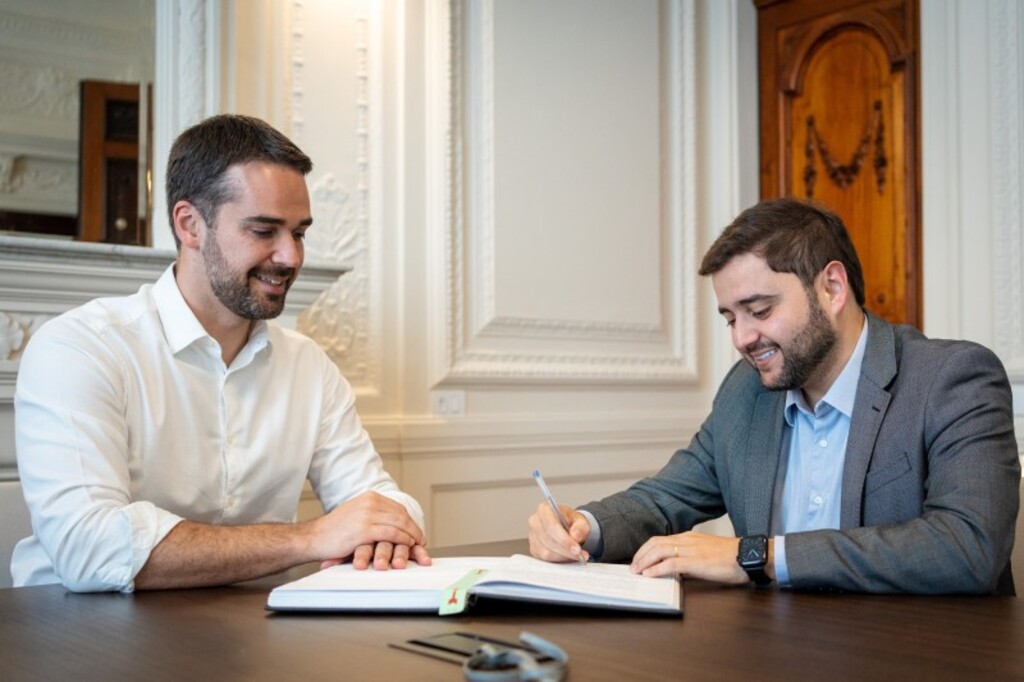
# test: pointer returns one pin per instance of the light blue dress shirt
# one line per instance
(812, 492)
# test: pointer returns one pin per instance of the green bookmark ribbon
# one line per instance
(453, 598)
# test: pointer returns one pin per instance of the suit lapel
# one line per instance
(764, 445)
(869, 409)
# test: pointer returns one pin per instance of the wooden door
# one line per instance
(839, 125)
(108, 196)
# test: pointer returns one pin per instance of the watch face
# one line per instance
(753, 551)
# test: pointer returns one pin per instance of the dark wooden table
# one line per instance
(47, 633)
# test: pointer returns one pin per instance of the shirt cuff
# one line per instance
(779, 558)
(149, 525)
(593, 545)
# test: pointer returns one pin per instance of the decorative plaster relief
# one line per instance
(12, 337)
(20, 175)
(333, 321)
(7, 172)
(41, 91)
(337, 320)
(341, 319)
(71, 37)
(15, 331)
(335, 237)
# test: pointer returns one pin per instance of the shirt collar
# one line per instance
(181, 327)
(843, 392)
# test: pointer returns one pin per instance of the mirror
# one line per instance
(48, 49)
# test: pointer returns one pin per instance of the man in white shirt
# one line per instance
(163, 438)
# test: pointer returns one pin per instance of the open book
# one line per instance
(450, 584)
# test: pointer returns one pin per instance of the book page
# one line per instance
(606, 582)
(519, 577)
(440, 574)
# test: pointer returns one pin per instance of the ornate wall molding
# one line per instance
(337, 237)
(663, 353)
(63, 34)
(41, 90)
(338, 319)
(13, 332)
(528, 327)
(345, 320)
(1006, 25)
(41, 278)
(186, 87)
(297, 67)
(38, 184)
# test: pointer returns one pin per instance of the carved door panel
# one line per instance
(839, 124)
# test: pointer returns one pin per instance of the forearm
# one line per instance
(649, 508)
(196, 554)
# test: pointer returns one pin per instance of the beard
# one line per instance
(233, 290)
(804, 354)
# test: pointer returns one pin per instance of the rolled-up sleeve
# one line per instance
(346, 463)
(75, 467)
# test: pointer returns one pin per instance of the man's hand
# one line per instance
(708, 557)
(548, 539)
(369, 528)
(383, 556)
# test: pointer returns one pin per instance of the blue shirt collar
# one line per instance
(843, 391)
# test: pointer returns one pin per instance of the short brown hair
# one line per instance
(792, 236)
(202, 155)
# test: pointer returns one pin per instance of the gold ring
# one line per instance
(676, 548)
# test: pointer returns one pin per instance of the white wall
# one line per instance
(972, 119)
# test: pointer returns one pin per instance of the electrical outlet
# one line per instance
(448, 403)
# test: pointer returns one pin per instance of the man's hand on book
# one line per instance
(694, 555)
(370, 529)
(382, 556)
(548, 539)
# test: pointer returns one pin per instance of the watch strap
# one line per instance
(758, 576)
(752, 558)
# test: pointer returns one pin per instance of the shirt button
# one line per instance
(823, 443)
(230, 501)
(818, 500)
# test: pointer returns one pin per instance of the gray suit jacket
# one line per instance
(930, 482)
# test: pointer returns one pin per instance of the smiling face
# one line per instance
(254, 250)
(778, 326)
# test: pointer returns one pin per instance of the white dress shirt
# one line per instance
(128, 421)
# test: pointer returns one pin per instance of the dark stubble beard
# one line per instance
(235, 293)
(802, 356)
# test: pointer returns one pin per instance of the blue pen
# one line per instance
(554, 506)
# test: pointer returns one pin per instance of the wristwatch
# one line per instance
(753, 556)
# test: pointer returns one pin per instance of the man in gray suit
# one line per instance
(849, 453)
